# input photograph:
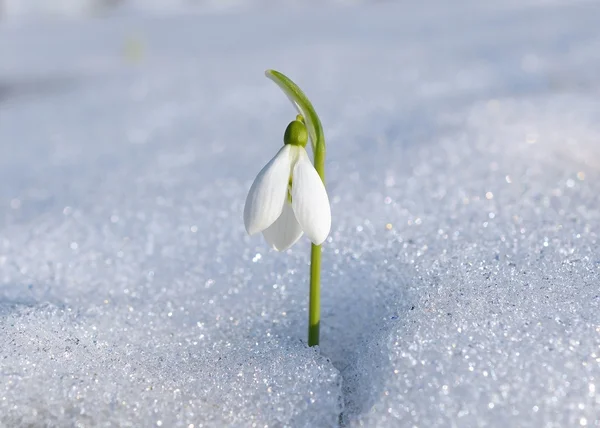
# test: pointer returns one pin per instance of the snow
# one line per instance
(460, 280)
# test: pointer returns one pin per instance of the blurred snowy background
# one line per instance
(461, 278)
(89, 8)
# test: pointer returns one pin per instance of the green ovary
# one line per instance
(296, 134)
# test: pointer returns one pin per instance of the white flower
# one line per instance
(287, 199)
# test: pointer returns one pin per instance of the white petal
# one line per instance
(268, 193)
(284, 233)
(310, 201)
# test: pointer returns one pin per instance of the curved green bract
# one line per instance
(306, 109)
(315, 133)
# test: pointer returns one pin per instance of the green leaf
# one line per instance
(304, 107)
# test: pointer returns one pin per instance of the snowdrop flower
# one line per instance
(288, 197)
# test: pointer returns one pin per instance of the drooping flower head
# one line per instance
(288, 197)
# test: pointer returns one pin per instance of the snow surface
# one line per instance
(460, 282)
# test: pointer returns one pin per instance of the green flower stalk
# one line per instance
(288, 197)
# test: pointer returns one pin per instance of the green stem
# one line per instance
(315, 132)
(314, 300)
